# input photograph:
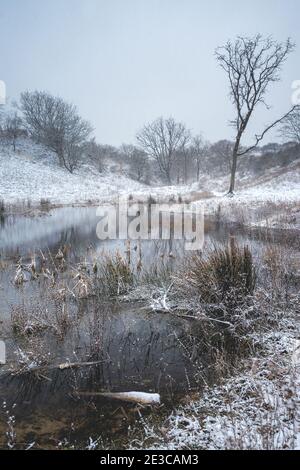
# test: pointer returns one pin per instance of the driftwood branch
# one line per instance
(130, 397)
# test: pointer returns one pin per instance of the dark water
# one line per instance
(135, 350)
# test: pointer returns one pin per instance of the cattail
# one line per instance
(33, 265)
(95, 268)
(20, 276)
(60, 255)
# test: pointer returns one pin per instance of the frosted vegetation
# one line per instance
(138, 343)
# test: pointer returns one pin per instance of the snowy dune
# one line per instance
(32, 174)
(24, 177)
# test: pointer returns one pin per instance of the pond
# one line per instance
(122, 346)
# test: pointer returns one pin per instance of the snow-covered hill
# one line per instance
(279, 184)
(32, 173)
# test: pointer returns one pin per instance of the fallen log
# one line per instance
(77, 365)
(131, 397)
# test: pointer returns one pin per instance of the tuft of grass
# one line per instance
(31, 321)
(281, 271)
(226, 277)
(27, 322)
(158, 274)
(45, 202)
(116, 276)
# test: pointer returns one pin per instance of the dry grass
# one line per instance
(267, 215)
(115, 275)
(34, 318)
(281, 268)
(200, 195)
(45, 203)
(225, 277)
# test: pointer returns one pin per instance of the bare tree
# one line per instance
(96, 154)
(199, 151)
(222, 151)
(12, 129)
(56, 124)
(290, 129)
(162, 140)
(251, 65)
(138, 162)
(185, 155)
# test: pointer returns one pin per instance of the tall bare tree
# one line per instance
(56, 124)
(162, 140)
(290, 129)
(251, 65)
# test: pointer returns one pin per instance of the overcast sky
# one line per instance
(126, 62)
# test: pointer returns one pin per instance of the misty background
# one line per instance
(123, 63)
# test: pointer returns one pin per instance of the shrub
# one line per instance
(45, 202)
(2, 206)
(151, 201)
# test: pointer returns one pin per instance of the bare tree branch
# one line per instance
(56, 124)
(291, 125)
(161, 140)
(260, 137)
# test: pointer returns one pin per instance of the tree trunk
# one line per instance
(234, 162)
(63, 163)
(233, 172)
(168, 177)
(185, 168)
(198, 171)
(61, 159)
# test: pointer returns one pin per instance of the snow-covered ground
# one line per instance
(32, 173)
(256, 409)
(279, 185)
